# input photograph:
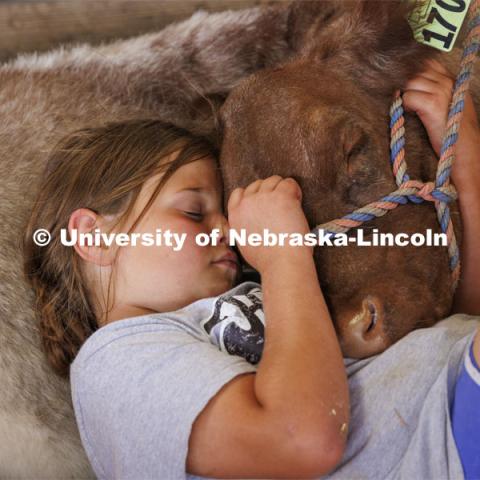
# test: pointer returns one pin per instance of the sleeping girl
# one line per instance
(181, 370)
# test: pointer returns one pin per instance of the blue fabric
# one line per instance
(466, 416)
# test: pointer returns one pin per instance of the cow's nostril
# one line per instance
(364, 334)
(372, 309)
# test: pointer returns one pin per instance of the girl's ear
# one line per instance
(82, 221)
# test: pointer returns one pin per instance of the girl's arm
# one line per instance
(466, 177)
(301, 379)
(429, 95)
(290, 419)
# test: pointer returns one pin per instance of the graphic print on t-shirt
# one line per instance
(237, 325)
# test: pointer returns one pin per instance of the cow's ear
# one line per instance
(371, 40)
(307, 18)
(386, 44)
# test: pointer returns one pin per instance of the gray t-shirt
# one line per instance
(139, 383)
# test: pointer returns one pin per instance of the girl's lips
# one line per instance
(228, 263)
(228, 256)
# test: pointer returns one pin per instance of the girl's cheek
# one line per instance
(191, 229)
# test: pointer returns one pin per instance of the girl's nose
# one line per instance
(222, 225)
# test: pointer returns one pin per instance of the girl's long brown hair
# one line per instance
(102, 169)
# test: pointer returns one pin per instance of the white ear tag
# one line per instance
(437, 22)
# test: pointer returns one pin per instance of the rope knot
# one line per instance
(422, 190)
(429, 192)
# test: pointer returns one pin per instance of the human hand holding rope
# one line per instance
(429, 95)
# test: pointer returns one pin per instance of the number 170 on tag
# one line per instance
(437, 22)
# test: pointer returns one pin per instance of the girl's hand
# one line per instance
(274, 204)
(429, 95)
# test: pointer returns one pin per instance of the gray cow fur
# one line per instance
(177, 75)
(181, 75)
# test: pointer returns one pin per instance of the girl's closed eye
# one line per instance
(197, 203)
(190, 204)
(195, 215)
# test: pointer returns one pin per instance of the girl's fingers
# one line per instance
(290, 185)
(431, 85)
(421, 84)
(434, 77)
(429, 111)
(234, 199)
(418, 101)
(253, 187)
(270, 183)
(427, 107)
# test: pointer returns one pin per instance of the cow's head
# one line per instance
(322, 118)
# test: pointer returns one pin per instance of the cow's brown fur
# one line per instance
(322, 118)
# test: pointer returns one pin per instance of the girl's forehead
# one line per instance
(203, 173)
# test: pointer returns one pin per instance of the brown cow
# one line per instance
(322, 118)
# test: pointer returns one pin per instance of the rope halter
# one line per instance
(440, 192)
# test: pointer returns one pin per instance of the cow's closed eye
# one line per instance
(357, 164)
(361, 174)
